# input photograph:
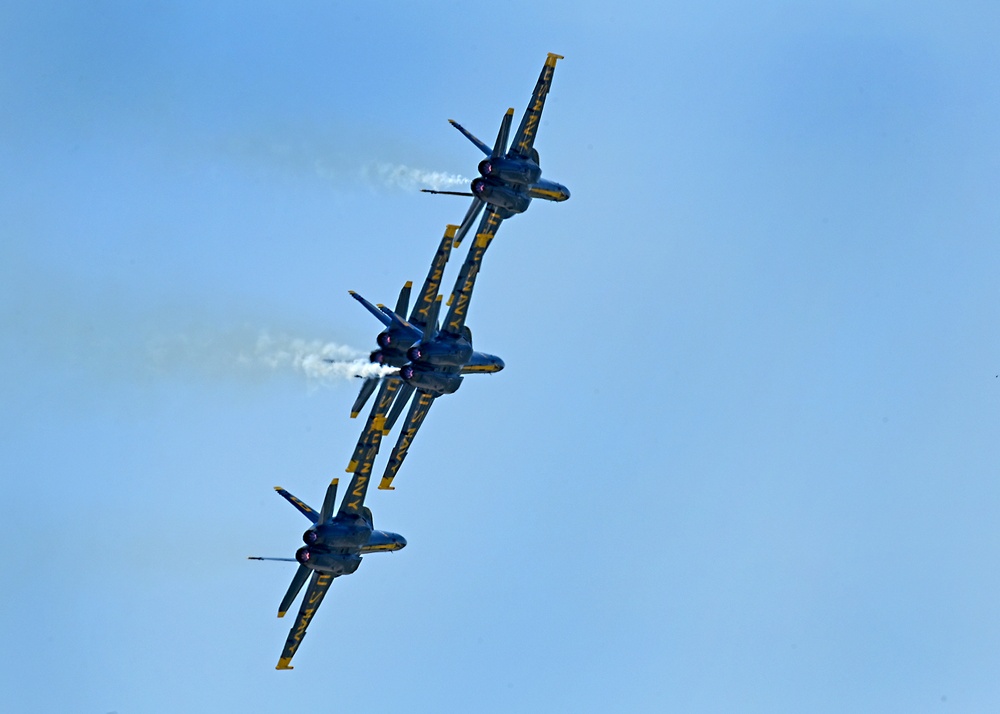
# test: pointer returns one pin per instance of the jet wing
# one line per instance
(315, 593)
(376, 421)
(462, 294)
(524, 139)
(367, 450)
(432, 285)
(414, 418)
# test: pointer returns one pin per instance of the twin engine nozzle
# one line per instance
(510, 170)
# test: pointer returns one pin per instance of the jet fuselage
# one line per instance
(509, 183)
(336, 548)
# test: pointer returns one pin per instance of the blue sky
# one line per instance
(743, 456)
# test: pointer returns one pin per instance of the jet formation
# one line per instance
(430, 356)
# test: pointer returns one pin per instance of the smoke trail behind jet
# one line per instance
(407, 178)
(336, 159)
(246, 353)
(315, 359)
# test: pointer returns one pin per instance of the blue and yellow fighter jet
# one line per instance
(399, 335)
(335, 543)
(443, 355)
(510, 177)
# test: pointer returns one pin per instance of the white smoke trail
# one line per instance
(315, 359)
(407, 178)
(245, 353)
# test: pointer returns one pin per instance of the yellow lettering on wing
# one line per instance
(303, 624)
(465, 292)
(360, 481)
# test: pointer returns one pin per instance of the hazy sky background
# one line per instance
(743, 457)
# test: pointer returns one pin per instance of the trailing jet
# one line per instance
(443, 355)
(509, 177)
(336, 542)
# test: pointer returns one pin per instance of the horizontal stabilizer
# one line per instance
(293, 589)
(395, 317)
(379, 315)
(367, 388)
(470, 217)
(302, 507)
(398, 406)
(468, 135)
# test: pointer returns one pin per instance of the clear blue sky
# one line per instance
(744, 455)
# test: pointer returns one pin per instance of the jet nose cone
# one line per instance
(401, 542)
(565, 194)
(498, 363)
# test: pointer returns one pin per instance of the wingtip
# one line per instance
(335, 481)
(352, 292)
(278, 488)
(409, 284)
(386, 485)
(354, 415)
(285, 663)
(281, 613)
(510, 111)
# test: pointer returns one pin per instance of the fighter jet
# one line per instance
(400, 334)
(336, 542)
(510, 177)
(442, 356)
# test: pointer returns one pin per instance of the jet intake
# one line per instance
(510, 170)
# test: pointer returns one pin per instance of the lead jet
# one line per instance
(336, 542)
(509, 177)
(439, 361)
